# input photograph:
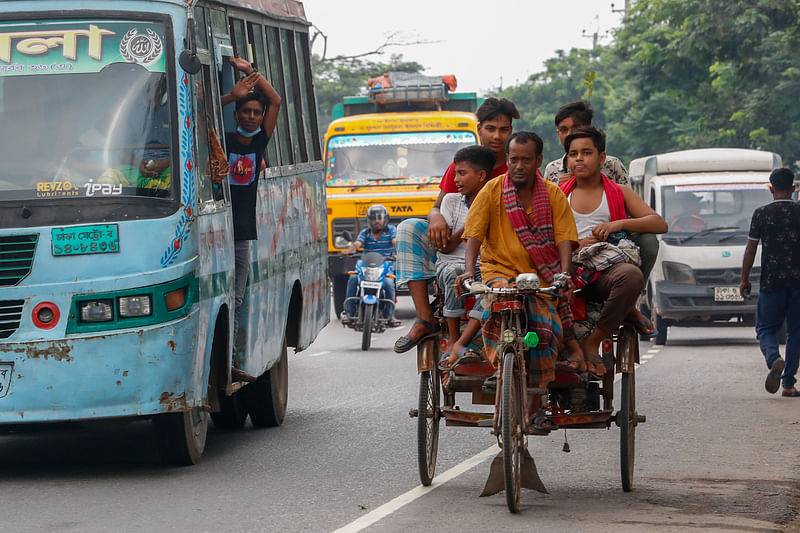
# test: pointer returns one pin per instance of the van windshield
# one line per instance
(392, 158)
(712, 212)
(87, 115)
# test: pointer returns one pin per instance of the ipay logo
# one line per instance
(726, 253)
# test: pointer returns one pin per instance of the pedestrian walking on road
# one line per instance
(777, 227)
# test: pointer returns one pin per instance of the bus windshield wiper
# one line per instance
(706, 232)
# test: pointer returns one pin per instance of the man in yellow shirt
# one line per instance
(521, 223)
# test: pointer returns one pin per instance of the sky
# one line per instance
(462, 38)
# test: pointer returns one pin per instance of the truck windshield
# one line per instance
(712, 212)
(85, 111)
(392, 158)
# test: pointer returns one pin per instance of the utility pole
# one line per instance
(623, 10)
(596, 36)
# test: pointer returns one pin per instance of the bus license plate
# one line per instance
(78, 240)
(727, 294)
(371, 284)
(6, 370)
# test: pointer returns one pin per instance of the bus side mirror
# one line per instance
(189, 61)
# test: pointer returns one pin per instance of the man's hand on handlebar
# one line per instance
(438, 231)
(460, 290)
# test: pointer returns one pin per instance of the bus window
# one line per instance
(256, 33)
(218, 24)
(289, 75)
(239, 40)
(276, 79)
(201, 27)
(307, 97)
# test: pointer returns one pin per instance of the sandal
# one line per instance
(641, 325)
(593, 365)
(569, 363)
(541, 424)
(465, 356)
(405, 343)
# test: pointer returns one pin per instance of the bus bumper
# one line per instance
(132, 373)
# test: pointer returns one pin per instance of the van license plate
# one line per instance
(727, 294)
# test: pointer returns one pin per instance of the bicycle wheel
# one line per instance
(428, 417)
(511, 410)
(627, 424)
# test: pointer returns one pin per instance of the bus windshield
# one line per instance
(94, 126)
(392, 158)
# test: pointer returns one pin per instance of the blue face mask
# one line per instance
(244, 133)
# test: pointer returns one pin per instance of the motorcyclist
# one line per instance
(380, 237)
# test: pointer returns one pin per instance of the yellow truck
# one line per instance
(391, 148)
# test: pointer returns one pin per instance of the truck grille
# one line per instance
(722, 276)
(16, 258)
(10, 316)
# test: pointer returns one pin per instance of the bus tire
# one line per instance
(181, 437)
(339, 293)
(661, 326)
(266, 398)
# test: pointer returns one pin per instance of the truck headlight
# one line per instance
(97, 311)
(678, 273)
(133, 306)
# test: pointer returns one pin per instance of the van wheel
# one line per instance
(181, 437)
(661, 326)
(266, 398)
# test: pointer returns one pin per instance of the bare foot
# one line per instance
(574, 356)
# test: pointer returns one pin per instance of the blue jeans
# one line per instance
(387, 293)
(773, 309)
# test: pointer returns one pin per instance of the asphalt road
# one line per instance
(716, 454)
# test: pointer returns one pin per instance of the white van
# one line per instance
(707, 197)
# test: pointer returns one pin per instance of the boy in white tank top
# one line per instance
(601, 207)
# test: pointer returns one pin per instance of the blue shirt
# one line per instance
(383, 245)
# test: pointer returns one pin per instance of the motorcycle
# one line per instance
(372, 268)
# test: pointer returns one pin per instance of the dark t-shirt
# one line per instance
(777, 226)
(245, 161)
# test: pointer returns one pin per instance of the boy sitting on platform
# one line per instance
(473, 166)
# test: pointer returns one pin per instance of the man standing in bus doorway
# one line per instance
(257, 106)
(777, 226)
(419, 240)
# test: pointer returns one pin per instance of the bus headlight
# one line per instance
(97, 311)
(133, 306)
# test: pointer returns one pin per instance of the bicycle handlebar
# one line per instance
(560, 282)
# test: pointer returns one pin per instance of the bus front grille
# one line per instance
(10, 316)
(16, 258)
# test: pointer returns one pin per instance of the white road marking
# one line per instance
(417, 492)
(318, 353)
(654, 350)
